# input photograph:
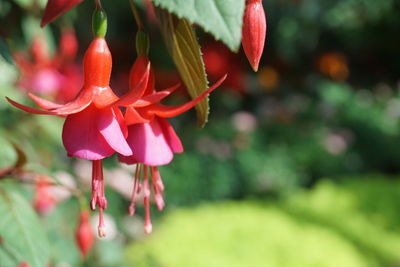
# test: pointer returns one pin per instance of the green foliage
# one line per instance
(351, 223)
(221, 18)
(242, 234)
(22, 237)
(362, 209)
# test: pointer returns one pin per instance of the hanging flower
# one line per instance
(94, 127)
(150, 135)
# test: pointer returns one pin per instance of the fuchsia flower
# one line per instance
(150, 135)
(93, 128)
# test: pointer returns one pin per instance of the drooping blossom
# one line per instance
(93, 128)
(84, 235)
(55, 76)
(151, 136)
(254, 31)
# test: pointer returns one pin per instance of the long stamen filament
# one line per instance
(98, 196)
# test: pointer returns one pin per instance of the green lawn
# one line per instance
(351, 223)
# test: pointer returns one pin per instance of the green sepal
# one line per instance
(99, 23)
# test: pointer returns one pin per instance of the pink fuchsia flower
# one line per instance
(57, 76)
(150, 135)
(94, 127)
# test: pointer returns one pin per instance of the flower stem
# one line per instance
(98, 4)
(136, 15)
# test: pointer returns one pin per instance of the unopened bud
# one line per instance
(84, 234)
(254, 31)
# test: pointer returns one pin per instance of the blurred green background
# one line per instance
(299, 163)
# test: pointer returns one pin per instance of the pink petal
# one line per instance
(109, 127)
(121, 121)
(149, 144)
(170, 135)
(81, 137)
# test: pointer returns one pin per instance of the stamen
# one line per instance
(95, 185)
(146, 193)
(101, 228)
(98, 196)
(135, 189)
(158, 187)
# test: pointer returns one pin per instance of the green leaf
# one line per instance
(22, 238)
(222, 18)
(181, 42)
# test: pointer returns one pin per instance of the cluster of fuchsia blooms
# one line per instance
(95, 127)
(98, 123)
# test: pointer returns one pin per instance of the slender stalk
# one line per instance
(98, 4)
(136, 15)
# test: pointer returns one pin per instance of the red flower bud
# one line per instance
(84, 233)
(23, 264)
(254, 31)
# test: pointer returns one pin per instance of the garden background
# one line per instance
(298, 165)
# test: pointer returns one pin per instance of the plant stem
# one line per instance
(136, 15)
(98, 4)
